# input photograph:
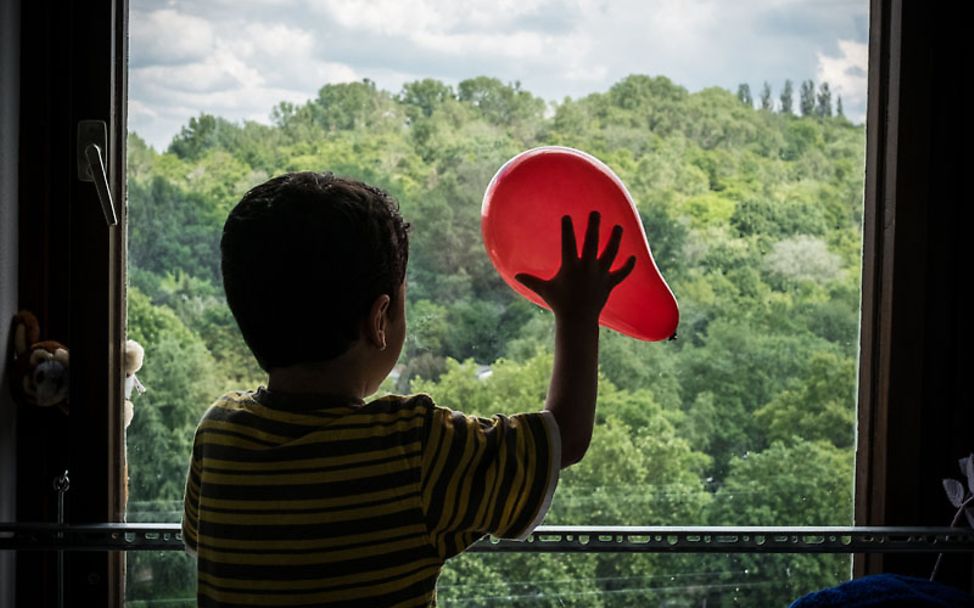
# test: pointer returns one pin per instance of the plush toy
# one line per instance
(132, 362)
(40, 368)
(134, 356)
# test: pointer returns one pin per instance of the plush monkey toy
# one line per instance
(40, 368)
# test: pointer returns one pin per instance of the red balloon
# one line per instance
(521, 226)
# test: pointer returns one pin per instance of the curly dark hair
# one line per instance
(304, 255)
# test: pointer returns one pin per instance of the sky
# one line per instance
(240, 58)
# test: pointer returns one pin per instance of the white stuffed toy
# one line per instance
(134, 356)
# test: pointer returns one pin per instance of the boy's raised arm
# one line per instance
(577, 294)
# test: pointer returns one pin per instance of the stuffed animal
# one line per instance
(134, 356)
(40, 368)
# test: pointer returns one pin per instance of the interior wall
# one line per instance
(9, 152)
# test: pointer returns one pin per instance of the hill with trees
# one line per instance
(753, 216)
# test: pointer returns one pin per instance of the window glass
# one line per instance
(739, 131)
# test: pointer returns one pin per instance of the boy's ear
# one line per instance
(376, 323)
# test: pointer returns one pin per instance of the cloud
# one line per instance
(184, 65)
(156, 38)
(846, 75)
(190, 57)
(422, 17)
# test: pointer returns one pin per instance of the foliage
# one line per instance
(753, 216)
(807, 99)
(766, 103)
(786, 98)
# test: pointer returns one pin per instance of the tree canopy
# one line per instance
(753, 216)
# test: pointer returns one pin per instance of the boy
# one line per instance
(303, 494)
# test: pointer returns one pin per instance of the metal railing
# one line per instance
(552, 539)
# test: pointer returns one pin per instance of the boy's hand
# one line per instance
(580, 289)
(577, 294)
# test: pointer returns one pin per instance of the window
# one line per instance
(752, 203)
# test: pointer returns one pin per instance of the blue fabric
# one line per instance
(887, 590)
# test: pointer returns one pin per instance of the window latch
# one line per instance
(92, 151)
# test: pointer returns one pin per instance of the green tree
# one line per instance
(823, 107)
(499, 103)
(799, 482)
(352, 105)
(201, 134)
(818, 405)
(422, 97)
(787, 102)
(807, 98)
(766, 104)
(744, 94)
(744, 368)
(172, 229)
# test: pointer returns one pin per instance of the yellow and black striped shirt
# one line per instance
(311, 502)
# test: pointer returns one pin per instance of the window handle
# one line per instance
(92, 141)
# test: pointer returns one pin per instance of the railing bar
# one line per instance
(553, 539)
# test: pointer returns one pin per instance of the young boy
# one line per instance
(303, 494)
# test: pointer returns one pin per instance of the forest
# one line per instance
(753, 213)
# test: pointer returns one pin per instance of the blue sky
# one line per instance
(239, 58)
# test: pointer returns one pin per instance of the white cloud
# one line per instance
(190, 56)
(219, 71)
(235, 69)
(422, 17)
(846, 75)
(168, 37)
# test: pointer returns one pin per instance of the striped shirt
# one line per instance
(311, 502)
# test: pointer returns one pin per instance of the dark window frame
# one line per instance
(915, 404)
(71, 275)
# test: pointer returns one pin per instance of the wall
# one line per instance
(9, 152)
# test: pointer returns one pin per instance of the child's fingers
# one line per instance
(620, 275)
(612, 248)
(569, 248)
(535, 284)
(590, 248)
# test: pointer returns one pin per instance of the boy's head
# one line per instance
(305, 255)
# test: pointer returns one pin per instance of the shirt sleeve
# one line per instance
(191, 501)
(487, 476)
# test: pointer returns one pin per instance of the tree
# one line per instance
(201, 134)
(520, 579)
(838, 107)
(744, 367)
(173, 229)
(744, 94)
(499, 103)
(807, 99)
(786, 99)
(351, 105)
(796, 482)
(422, 97)
(824, 107)
(803, 258)
(819, 405)
(640, 92)
(766, 104)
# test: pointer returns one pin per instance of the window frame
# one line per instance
(71, 275)
(915, 417)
